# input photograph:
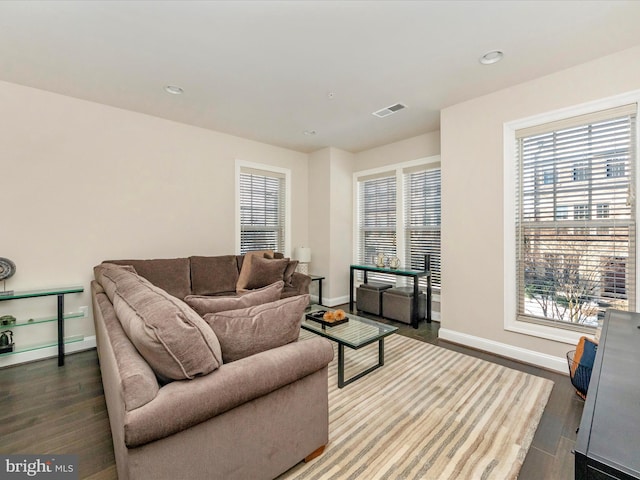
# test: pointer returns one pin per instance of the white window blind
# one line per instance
(262, 210)
(422, 221)
(377, 221)
(575, 225)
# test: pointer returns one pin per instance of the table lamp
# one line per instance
(303, 255)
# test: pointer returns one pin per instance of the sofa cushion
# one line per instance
(252, 330)
(212, 275)
(260, 253)
(107, 284)
(170, 336)
(244, 266)
(259, 272)
(208, 304)
(289, 271)
(173, 275)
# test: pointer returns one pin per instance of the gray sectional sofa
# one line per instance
(215, 275)
(176, 408)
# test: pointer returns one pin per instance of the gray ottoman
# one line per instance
(369, 297)
(397, 304)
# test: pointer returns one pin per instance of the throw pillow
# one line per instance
(259, 272)
(207, 304)
(106, 282)
(245, 269)
(256, 329)
(582, 365)
(171, 337)
(289, 271)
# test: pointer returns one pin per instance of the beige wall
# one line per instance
(472, 194)
(331, 207)
(83, 182)
(341, 228)
(420, 146)
(330, 223)
(320, 215)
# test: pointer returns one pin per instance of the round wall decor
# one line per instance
(7, 268)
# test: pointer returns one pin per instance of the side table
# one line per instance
(319, 279)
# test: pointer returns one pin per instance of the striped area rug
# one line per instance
(428, 413)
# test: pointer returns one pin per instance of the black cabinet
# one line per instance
(608, 443)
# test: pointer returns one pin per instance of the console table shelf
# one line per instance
(59, 292)
(38, 321)
(41, 346)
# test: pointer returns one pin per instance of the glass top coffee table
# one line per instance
(358, 332)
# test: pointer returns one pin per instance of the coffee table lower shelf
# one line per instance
(355, 334)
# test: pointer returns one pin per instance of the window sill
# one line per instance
(569, 337)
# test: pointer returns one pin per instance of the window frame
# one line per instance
(242, 165)
(511, 321)
(398, 170)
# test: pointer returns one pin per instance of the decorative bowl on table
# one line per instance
(328, 317)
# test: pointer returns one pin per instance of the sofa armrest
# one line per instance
(182, 404)
(301, 282)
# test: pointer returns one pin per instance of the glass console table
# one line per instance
(60, 292)
(415, 274)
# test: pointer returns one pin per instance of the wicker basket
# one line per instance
(580, 374)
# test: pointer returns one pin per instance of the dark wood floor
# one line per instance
(46, 409)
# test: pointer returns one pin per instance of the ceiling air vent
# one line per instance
(385, 112)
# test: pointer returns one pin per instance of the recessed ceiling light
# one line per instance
(310, 132)
(173, 90)
(491, 57)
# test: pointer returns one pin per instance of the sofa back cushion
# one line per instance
(173, 275)
(213, 275)
(171, 337)
(256, 329)
(206, 304)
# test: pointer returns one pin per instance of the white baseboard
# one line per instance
(332, 302)
(543, 360)
(48, 352)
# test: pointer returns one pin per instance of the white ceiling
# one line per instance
(264, 70)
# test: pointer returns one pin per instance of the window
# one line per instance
(614, 277)
(615, 168)
(377, 219)
(262, 203)
(422, 221)
(548, 177)
(581, 212)
(602, 210)
(398, 214)
(580, 173)
(566, 273)
(562, 212)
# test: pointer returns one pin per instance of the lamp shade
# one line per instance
(303, 254)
